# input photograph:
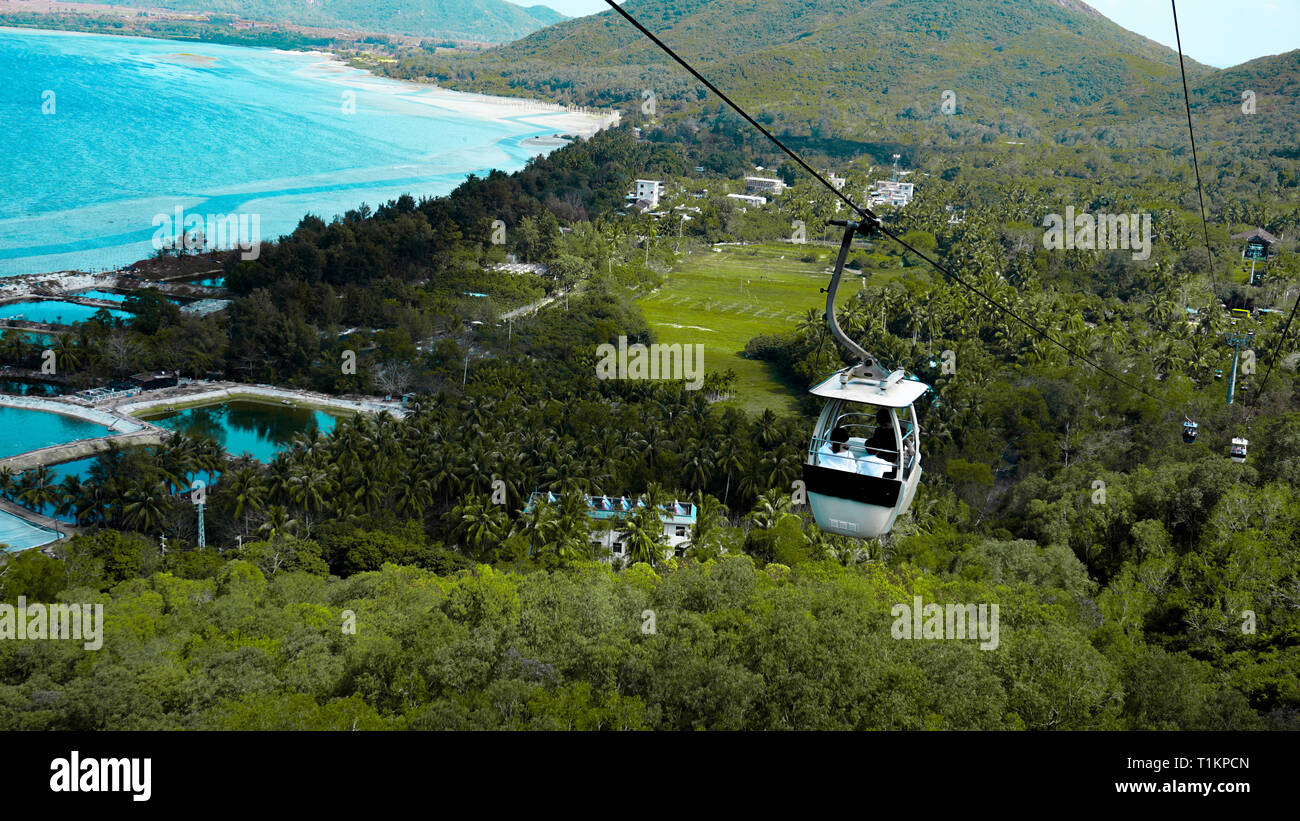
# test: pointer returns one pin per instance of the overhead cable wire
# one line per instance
(1187, 104)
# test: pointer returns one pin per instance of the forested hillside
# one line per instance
(489, 21)
(843, 65)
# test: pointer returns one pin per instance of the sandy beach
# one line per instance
(575, 121)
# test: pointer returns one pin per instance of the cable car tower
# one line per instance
(864, 460)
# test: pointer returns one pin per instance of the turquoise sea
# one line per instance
(99, 135)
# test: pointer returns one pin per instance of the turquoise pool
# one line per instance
(95, 294)
(110, 295)
(24, 429)
(54, 312)
(243, 426)
(17, 534)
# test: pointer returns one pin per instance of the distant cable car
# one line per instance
(1190, 429)
(1238, 451)
(1218, 374)
(864, 460)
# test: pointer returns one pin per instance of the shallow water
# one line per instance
(102, 135)
(23, 429)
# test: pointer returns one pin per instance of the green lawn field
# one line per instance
(722, 297)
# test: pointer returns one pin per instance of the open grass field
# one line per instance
(723, 297)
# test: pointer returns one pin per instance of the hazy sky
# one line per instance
(1219, 33)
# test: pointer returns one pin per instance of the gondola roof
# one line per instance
(897, 392)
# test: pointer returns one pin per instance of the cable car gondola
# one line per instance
(864, 460)
(1238, 449)
(1190, 429)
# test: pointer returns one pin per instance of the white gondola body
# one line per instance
(845, 501)
(1238, 450)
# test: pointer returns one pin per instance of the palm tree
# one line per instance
(770, 509)
(278, 525)
(39, 488)
(70, 493)
(414, 497)
(481, 522)
(7, 481)
(542, 528)
(656, 496)
(643, 535)
(144, 506)
(309, 490)
(246, 488)
(91, 504)
(710, 516)
(732, 456)
(67, 353)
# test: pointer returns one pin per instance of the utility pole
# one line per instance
(202, 540)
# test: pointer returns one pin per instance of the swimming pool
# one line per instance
(96, 294)
(18, 534)
(24, 429)
(55, 312)
(111, 296)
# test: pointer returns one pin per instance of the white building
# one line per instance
(648, 190)
(748, 199)
(678, 519)
(890, 192)
(764, 185)
(838, 182)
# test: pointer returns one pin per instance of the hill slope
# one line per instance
(856, 63)
(488, 21)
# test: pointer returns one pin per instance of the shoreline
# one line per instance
(267, 394)
(535, 127)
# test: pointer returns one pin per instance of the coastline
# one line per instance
(516, 129)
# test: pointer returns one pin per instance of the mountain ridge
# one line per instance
(486, 21)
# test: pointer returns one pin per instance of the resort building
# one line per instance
(764, 185)
(154, 380)
(648, 191)
(748, 199)
(678, 521)
(890, 192)
(1260, 244)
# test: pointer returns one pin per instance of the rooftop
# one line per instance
(1256, 232)
(615, 507)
